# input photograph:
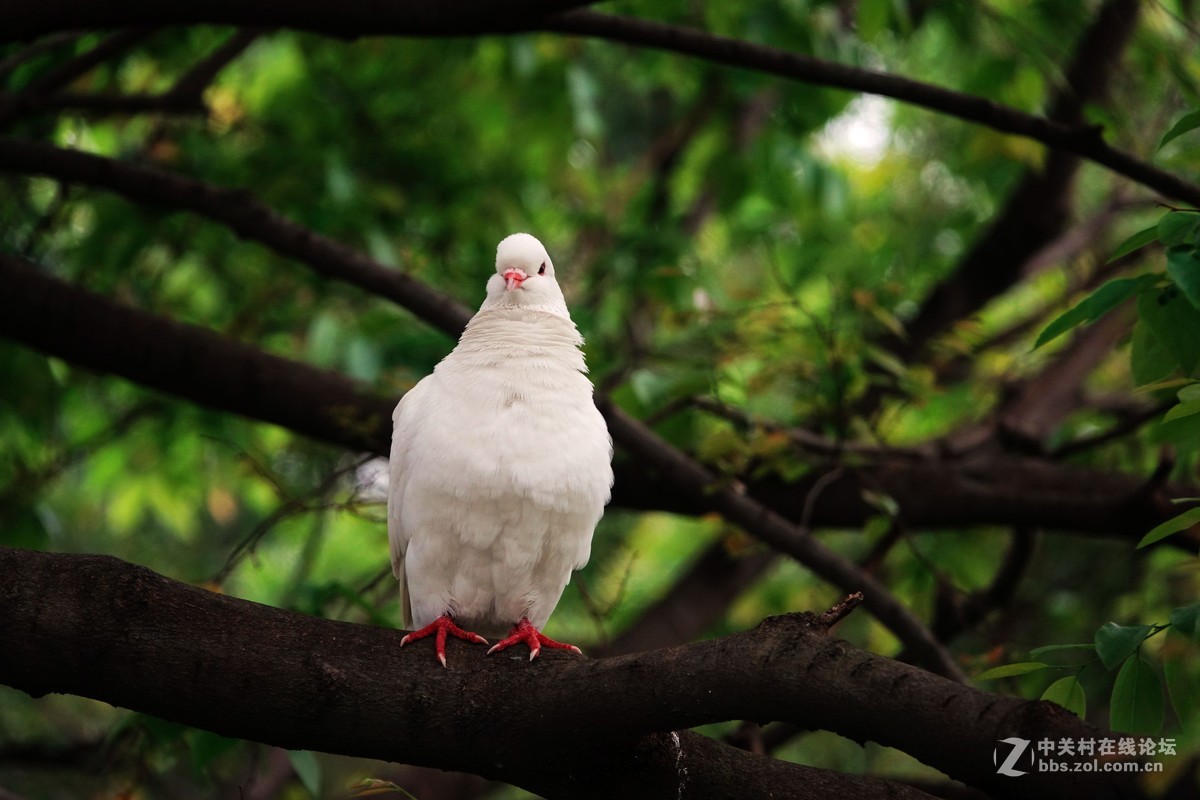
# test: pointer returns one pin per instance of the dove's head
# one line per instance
(524, 277)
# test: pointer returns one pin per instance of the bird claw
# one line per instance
(524, 631)
(439, 629)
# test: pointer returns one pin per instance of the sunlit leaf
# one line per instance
(1092, 307)
(1175, 524)
(1010, 670)
(1137, 240)
(1182, 410)
(1038, 652)
(1185, 124)
(1069, 694)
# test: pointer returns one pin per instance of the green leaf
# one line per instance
(1092, 307)
(1185, 124)
(1178, 227)
(207, 747)
(1137, 699)
(1174, 525)
(872, 17)
(1038, 652)
(1149, 361)
(1115, 643)
(1175, 323)
(1183, 265)
(1183, 433)
(1009, 670)
(1183, 684)
(307, 769)
(1186, 619)
(1139, 239)
(1182, 410)
(1067, 693)
(1189, 393)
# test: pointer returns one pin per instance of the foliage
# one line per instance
(723, 234)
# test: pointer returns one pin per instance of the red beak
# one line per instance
(513, 278)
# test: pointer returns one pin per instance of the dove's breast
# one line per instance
(504, 482)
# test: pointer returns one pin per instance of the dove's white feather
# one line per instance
(500, 462)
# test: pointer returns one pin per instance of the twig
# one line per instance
(102, 103)
(49, 82)
(32, 51)
(689, 476)
(246, 216)
(191, 84)
(840, 610)
(1083, 140)
(59, 76)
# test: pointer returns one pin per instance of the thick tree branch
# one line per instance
(472, 17)
(354, 18)
(1084, 141)
(102, 628)
(762, 523)
(245, 215)
(92, 331)
(99, 334)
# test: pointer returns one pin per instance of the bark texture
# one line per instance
(562, 726)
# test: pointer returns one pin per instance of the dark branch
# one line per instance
(354, 18)
(102, 628)
(93, 332)
(49, 82)
(101, 103)
(245, 215)
(1038, 210)
(1082, 140)
(474, 17)
(90, 330)
(193, 82)
(761, 522)
(37, 49)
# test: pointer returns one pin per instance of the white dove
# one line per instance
(501, 466)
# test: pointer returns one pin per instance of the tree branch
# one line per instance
(1084, 141)
(49, 82)
(1038, 208)
(354, 18)
(193, 82)
(473, 17)
(764, 524)
(102, 628)
(245, 215)
(96, 333)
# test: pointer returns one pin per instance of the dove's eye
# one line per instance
(542, 269)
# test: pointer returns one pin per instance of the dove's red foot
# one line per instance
(524, 631)
(441, 626)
